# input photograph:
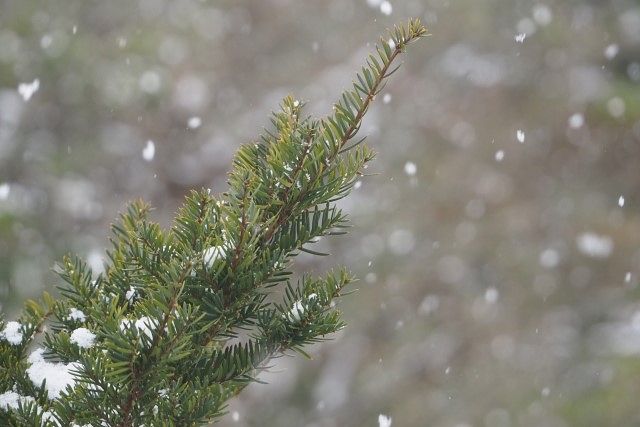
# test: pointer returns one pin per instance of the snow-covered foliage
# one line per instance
(82, 337)
(56, 376)
(12, 333)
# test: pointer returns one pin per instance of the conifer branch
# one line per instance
(351, 108)
(185, 318)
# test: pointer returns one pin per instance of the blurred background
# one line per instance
(497, 246)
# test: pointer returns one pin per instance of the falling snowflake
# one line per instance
(386, 8)
(616, 107)
(576, 121)
(26, 90)
(150, 82)
(519, 38)
(4, 191)
(194, 122)
(410, 168)
(594, 245)
(384, 421)
(542, 14)
(149, 151)
(520, 136)
(611, 51)
(491, 295)
(549, 258)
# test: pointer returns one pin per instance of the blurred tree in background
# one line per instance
(500, 267)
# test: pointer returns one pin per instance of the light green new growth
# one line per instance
(183, 319)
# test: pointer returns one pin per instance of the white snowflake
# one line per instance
(149, 151)
(576, 121)
(4, 191)
(150, 81)
(386, 8)
(611, 51)
(491, 295)
(410, 168)
(26, 90)
(616, 107)
(542, 14)
(549, 258)
(384, 421)
(594, 245)
(194, 122)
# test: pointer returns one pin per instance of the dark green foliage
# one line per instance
(183, 319)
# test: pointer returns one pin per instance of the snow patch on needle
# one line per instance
(83, 338)
(58, 376)
(12, 333)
